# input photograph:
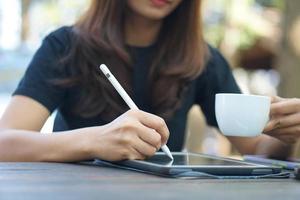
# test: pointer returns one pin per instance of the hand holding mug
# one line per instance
(284, 121)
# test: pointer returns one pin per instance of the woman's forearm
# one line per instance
(27, 146)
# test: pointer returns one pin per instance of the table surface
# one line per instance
(75, 181)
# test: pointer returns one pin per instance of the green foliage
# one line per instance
(271, 3)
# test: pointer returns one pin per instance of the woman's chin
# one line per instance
(153, 9)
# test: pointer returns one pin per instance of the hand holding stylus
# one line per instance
(130, 103)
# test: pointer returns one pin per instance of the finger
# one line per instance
(289, 139)
(144, 148)
(275, 99)
(283, 122)
(150, 136)
(271, 125)
(154, 122)
(136, 155)
(284, 136)
(284, 107)
(292, 130)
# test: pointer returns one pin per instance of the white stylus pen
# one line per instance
(126, 98)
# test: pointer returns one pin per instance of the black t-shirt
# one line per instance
(216, 78)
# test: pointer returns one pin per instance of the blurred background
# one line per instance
(259, 38)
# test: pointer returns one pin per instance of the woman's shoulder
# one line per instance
(216, 69)
(61, 33)
(216, 64)
(215, 58)
(60, 38)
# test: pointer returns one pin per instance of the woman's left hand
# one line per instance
(284, 121)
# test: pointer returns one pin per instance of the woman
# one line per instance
(156, 50)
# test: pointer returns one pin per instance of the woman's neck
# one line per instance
(140, 31)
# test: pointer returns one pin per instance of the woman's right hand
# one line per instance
(133, 135)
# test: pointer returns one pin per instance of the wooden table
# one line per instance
(74, 181)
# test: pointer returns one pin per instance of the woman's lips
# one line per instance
(160, 3)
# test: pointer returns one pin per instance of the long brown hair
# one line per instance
(99, 38)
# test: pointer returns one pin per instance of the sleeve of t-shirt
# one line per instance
(45, 67)
(216, 78)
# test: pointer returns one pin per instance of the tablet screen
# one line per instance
(190, 159)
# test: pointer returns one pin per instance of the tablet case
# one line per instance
(190, 174)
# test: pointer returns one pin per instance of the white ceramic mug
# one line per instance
(242, 115)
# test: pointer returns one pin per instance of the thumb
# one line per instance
(275, 99)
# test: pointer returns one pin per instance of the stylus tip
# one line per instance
(167, 151)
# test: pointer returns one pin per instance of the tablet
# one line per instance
(185, 162)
